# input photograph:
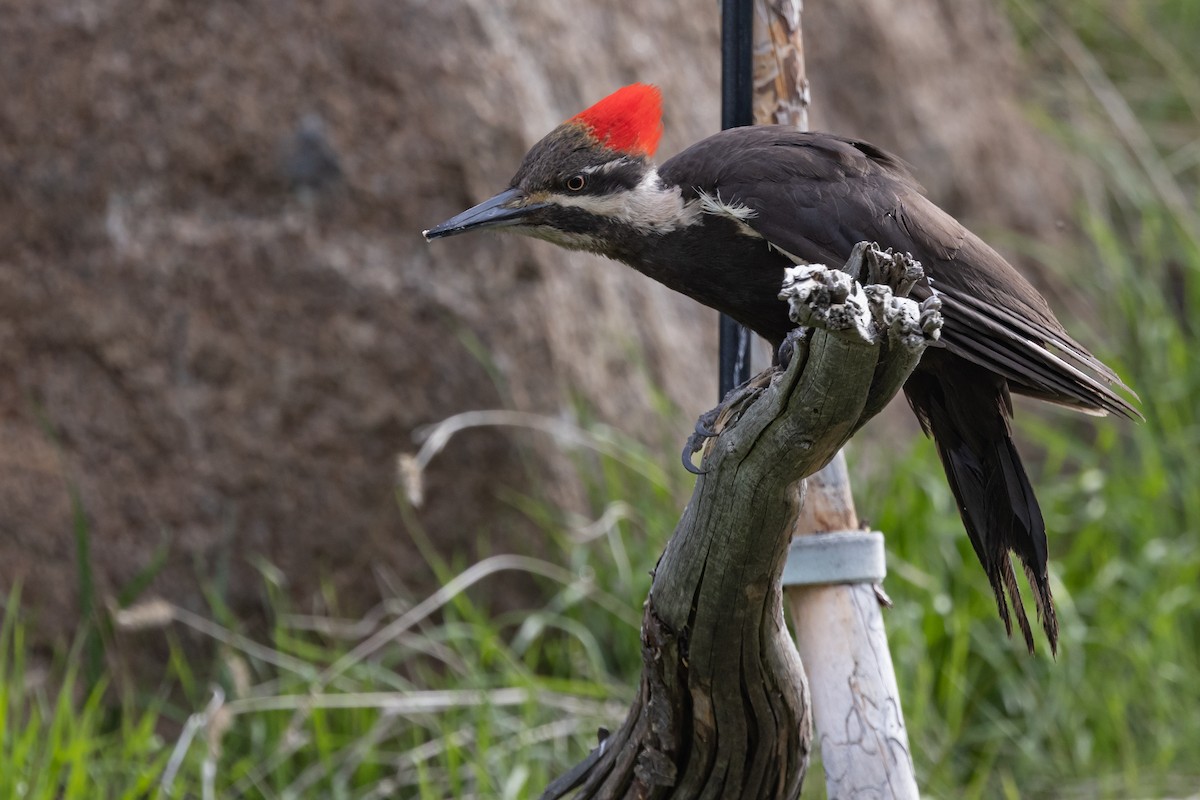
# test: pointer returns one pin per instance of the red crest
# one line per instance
(628, 120)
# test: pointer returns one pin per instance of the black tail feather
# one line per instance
(966, 410)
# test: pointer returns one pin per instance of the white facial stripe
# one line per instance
(606, 167)
(649, 206)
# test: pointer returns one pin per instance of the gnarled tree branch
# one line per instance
(723, 707)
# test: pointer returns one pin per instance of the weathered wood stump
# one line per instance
(723, 707)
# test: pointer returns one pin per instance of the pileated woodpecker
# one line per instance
(720, 221)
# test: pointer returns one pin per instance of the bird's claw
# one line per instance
(791, 342)
(693, 445)
(704, 430)
(712, 422)
(706, 423)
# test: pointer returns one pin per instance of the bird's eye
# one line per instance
(576, 183)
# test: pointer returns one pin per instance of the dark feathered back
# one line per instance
(814, 196)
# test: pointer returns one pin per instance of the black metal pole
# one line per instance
(737, 109)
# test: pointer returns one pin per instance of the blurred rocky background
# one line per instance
(219, 324)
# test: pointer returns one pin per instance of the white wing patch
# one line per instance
(795, 259)
(738, 212)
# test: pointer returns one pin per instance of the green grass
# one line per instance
(427, 697)
(433, 697)
(1116, 714)
(59, 740)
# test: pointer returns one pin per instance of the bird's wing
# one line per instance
(840, 192)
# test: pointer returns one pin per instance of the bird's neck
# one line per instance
(652, 208)
(701, 246)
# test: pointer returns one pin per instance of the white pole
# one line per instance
(842, 643)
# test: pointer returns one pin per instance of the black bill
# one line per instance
(507, 208)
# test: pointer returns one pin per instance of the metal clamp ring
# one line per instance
(835, 557)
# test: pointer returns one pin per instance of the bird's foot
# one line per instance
(706, 423)
(794, 340)
(694, 444)
(713, 421)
